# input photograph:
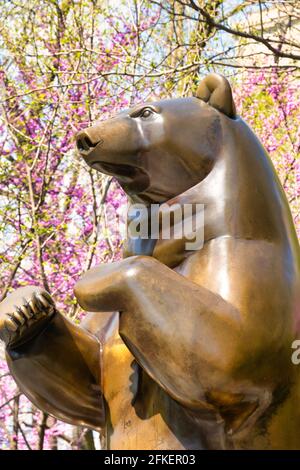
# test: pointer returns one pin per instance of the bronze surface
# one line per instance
(184, 349)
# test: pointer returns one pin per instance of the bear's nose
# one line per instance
(84, 143)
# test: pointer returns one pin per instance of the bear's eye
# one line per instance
(146, 113)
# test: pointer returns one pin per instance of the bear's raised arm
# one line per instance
(55, 363)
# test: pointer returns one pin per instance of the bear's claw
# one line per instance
(17, 324)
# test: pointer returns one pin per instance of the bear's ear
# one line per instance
(215, 90)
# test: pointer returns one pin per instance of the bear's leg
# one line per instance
(188, 339)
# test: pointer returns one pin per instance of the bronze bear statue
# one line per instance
(186, 349)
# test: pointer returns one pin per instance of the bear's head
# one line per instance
(157, 150)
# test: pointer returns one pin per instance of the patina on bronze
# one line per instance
(195, 345)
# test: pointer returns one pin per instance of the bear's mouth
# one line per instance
(116, 169)
(131, 178)
(119, 170)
